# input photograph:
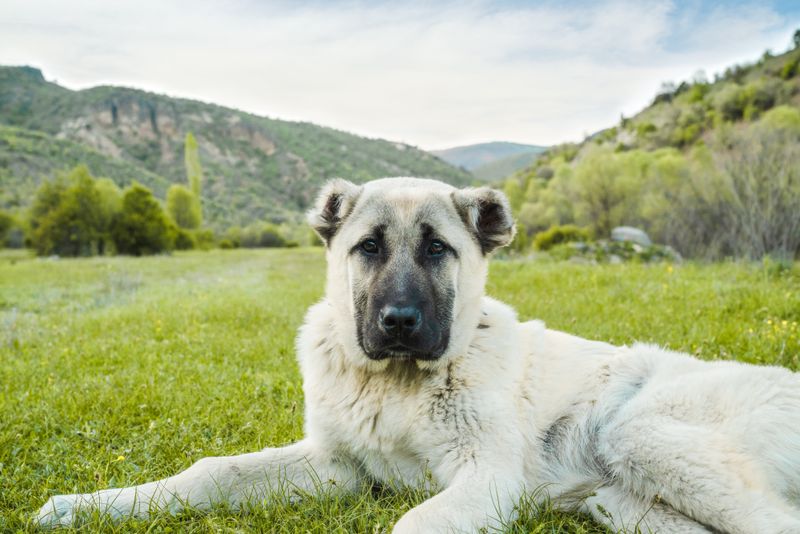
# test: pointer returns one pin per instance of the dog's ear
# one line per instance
(487, 214)
(334, 203)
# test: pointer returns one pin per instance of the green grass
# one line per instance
(118, 371)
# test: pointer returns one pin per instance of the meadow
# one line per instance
(117, 371)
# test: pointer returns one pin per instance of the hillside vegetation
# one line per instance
(256, 168)
(710, 168)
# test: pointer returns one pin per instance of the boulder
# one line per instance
(629, 233)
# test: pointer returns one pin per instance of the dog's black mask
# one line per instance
(404, 306)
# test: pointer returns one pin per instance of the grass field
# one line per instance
(117, 371)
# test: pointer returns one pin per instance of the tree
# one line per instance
(194, 171)
(183, 207)
(6, 222)
(740, 196)
(109, 203)
(796, 38)
(607, 189)
(66, 217)
(141, 227)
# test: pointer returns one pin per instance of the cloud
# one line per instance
(431, 75)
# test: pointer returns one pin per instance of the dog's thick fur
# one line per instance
(487, 407)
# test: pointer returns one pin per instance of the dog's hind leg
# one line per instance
(286, 472)
(698, 472)
(624, 512)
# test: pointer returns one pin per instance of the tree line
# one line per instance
(77, 214)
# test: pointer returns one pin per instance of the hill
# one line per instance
(472, 157)
(255, 167)
(26, 156)
(503, 167)
(711, 168)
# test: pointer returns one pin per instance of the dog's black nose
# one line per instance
(399, 321)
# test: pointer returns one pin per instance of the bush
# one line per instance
(204, 239)
(262, 235)
(557, 235)
(184, 240)
(184, 207)
(731, 102)
(6, 223)
(748, 205)
(782, 118)
(645, 128)
(141, 227)
(67, 216)
(790, 69)
(605, 251)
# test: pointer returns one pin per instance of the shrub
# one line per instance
(698, 92)
(748, 205)
(204, 239)
(645, 128)
(789, 69)
(782, 118)
(730, 102)
(183, 207)
(557, 235)
(6, 223)
(184, 240)
(141, 227)
(262, 235)
(67, 216)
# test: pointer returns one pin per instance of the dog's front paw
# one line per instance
(59, 511)
(416, 521)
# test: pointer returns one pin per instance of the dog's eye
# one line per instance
(369, 246)
(436, 248)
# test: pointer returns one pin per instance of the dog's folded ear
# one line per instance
(487, 214)
(333, 205)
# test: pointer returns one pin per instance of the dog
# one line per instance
(412, 376)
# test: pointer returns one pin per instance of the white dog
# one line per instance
(412, 374)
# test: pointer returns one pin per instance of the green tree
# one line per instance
(66, 217)
(183, 207)
(194, 171)
(109, 203)
(607, 189)
(6, 222)
(515, 194)
(141, 227)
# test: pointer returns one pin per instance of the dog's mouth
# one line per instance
(401, 352)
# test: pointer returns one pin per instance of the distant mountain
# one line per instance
(255, 167)
(473, 157)
(504, 167)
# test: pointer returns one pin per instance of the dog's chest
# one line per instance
(397, 424)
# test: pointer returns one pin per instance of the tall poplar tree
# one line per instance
(194, 171)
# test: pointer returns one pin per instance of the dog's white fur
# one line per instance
(639, 437)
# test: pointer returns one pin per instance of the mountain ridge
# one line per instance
(255, 167)
(471, 157)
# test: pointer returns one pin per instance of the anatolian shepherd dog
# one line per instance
(412, 374)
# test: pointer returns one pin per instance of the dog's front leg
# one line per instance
(303, 467)
(476, 498)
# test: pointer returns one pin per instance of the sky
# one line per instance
(430, 74)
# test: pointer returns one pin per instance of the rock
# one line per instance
(629, 233)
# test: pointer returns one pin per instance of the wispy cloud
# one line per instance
(429, 75)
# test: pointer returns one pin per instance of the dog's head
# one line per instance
(407, 263)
